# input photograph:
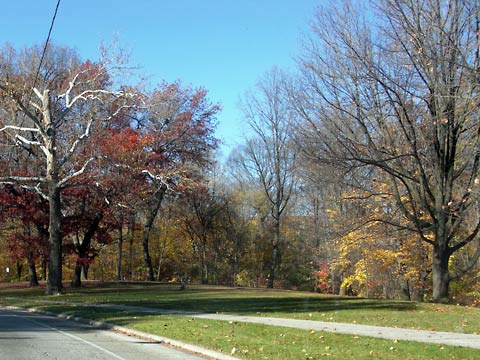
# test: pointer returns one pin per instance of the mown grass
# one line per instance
(254, 341)
(274, 303)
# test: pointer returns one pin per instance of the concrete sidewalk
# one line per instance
(401, 334)
(425, 336)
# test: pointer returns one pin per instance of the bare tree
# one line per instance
(51, 119)
(396, 90)
(202, 210)
(269, 157)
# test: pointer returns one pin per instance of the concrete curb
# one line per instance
(175, 343)
(400, 334)
(210, 354)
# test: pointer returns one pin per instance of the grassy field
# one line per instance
(252, 341)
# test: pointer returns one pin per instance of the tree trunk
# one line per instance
(273, 265)
(19, 267)
(131, 237)
(146, 253)
(76, 280)
(147, 229)
(44, 269)
(32, 271)
(82, 248)
(418, 293)
(440, 274)
(418, 289)
(54, 286)
(118, 276)
(441, 255)
(403, 291)
(204, 263)
(85, 268)
(163, 247)
(80, 273)
(215, 269)
(234, 262)
(336, 282)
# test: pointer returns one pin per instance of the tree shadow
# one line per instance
(211, 299)
(249, 305)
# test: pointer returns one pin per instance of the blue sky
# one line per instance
(222, 45)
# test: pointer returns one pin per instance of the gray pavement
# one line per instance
(25, 335)
(401, 334)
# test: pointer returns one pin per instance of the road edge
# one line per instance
(195, 349)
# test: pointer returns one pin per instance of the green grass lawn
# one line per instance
(275, 303)
(253, 341)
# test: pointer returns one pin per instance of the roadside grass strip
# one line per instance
(199, 304)
(259, 341)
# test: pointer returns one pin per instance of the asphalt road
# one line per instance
(30, 336)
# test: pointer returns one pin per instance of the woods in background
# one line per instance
(359, 174)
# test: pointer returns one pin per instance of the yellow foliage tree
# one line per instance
(376, 259)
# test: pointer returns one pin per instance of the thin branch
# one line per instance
(19, 128)
(36, 189)
(76, 173)
(71, 84)
(38, 93)
(94, 95)
(26, 141)
(21, 179)
(75, 144)
(164, 182)
(469, 266)
(371, 195)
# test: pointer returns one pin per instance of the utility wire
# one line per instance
(43, 55)
(46, 45)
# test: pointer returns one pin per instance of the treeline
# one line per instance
(359, 174)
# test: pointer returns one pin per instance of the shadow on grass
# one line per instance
(248, 305)
(211, 299)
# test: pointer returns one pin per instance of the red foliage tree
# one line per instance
(27, 212)
(173, 141)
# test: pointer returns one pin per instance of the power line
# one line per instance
(43, 55)
(46, 41)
